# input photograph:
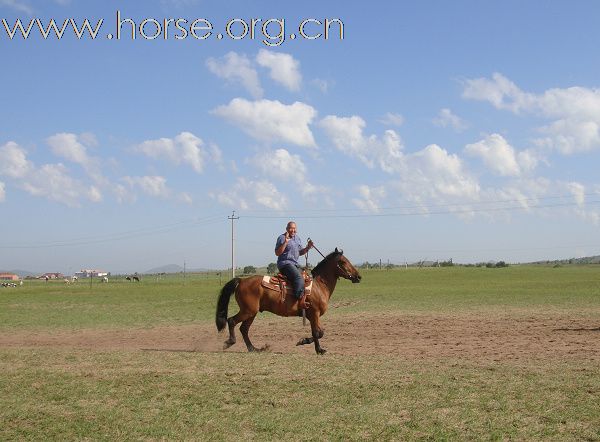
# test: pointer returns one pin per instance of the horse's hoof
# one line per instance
(321, 351)
(227, 344)
(304, 341)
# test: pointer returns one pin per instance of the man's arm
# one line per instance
(306, 249)
(279, 250)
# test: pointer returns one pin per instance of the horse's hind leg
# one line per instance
(244, 329)
(232, 322)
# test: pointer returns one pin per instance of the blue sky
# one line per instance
(433, 130)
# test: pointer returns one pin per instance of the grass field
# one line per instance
(527, 367)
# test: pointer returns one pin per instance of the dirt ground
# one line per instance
(500, 337)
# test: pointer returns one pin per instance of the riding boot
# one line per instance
(303, 303)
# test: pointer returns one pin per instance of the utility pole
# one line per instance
(233, 218)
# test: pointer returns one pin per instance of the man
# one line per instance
(288, 249)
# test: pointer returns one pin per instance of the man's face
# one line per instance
(291, 229)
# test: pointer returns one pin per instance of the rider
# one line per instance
(288, 249)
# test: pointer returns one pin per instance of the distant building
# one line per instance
(52, 276)
(8, 277)
(88, 273)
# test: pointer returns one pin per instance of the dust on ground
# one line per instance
(478, 336)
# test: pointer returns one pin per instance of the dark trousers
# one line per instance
(293, 274)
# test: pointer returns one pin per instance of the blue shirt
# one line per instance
(292, 250)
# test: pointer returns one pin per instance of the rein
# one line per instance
(315, 247)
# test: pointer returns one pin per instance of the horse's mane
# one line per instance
(319, 267)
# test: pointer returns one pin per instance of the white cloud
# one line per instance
(431, 173)
(434, 172)
(496, 154)
(448, 119)
(271, 121)
(570, 136)
(392, 119)
(74, 148)
(346, 134)
(575, 111)
(155, 186)
(53, 182)
(237, 69)
(13, 161)
(67, 146)
(17, 5)
(2, 192)
(280, 164)
(185, 148)
(185, 198)
(370, 198)
(287, 167)
(322, 85)
(283, 68)
(316, 193)
(578, 192)
(248, 193)
(94, 194)
(216, 155)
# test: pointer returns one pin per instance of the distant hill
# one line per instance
(21, 273)
(173, 268)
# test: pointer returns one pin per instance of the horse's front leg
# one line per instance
(310, 340)
(317, 333)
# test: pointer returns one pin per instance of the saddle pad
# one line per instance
(273, 283)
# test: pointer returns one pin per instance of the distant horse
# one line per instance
(105, 279)
(252, 298)
(136, 278)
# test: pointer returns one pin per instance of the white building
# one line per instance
(88, 273)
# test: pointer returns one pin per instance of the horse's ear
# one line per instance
(341, 252)
(336, 250)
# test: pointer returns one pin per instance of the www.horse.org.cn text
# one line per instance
(271, 31)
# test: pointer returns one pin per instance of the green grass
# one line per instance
(66, 394)
(173, 301)
(227, 396)
(117, 304)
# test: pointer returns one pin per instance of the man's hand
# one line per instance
(309, 244)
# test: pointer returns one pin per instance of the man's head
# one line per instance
(291, 228)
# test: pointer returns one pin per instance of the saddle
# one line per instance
(280, 283)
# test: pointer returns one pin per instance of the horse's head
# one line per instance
(345, 269)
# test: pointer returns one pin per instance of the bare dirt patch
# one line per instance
(484, 337)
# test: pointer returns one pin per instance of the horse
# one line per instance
(136, 278)
(252, 298)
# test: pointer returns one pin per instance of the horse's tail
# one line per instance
(223, 303)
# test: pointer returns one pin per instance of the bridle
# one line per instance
(345, 273)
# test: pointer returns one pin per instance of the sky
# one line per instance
(396, 131)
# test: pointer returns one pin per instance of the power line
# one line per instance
(138, 233)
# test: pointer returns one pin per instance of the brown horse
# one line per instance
(252, 298)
